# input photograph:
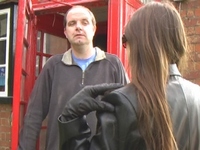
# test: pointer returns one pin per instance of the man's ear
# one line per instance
(65, 33)
(95, 28)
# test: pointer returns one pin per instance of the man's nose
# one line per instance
(78, 26)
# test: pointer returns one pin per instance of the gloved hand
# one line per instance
(84, 101)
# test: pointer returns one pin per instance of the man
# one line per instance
(64, 75)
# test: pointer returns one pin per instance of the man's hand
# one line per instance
(84, 101)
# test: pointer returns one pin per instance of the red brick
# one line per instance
(192, 4)
(5, 122)
(194, 66)
(197, 47)
(194, 39)
(2, 136)
(191, 22)
(197, 29)
(191, 47)
(5, 143)
(194, 56)
(190, 30)
(190, 13)
(183, 13)
(190, 39)
(198, 23)
(197, 12)
(5, 129)
(8, 136)
(192, 75)
(197, 67)
(191, 67)
(184, 6)
(5, 114)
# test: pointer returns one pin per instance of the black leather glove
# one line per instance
(84, 101)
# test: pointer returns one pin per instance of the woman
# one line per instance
(158, 110)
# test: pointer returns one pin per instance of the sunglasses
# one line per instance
(124, 40)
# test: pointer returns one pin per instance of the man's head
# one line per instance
(79, 25)
(79, 6)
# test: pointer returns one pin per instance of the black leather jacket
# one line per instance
(119, 131)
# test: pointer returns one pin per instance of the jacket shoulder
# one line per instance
(191, 92)
(53, 60)
(190, 85)
(123, 96)
(112, 57)
(188, 89)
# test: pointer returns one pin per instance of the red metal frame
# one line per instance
(17, 72)
(54, 6)
(27, 44)
(31, 52)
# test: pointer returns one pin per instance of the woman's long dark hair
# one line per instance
(155, 39)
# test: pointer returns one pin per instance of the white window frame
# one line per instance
(2, 12)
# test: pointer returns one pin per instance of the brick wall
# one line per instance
(5, 126)
(190, 13)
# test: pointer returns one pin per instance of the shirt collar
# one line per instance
(173, 70)
(67, 56)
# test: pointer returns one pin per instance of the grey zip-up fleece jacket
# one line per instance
(58, 81)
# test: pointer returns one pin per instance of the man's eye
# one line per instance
(85, 22)
(71, 23)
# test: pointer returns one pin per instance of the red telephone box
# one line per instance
(40, 21)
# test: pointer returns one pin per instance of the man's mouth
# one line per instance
(79, 35)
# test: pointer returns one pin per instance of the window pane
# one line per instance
(3, 25)
(2, 78)
(37, 66)
(54, 44)
(24, 58)
(38, 41)
(2, 52)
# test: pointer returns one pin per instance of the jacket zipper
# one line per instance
(83, 77)
(83, 74)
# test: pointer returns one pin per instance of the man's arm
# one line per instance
(36, 112)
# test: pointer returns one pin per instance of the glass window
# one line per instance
(3, 25)
(2, 78)
(54, 44)
(4, 50)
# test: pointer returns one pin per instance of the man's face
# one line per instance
(79, 29)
